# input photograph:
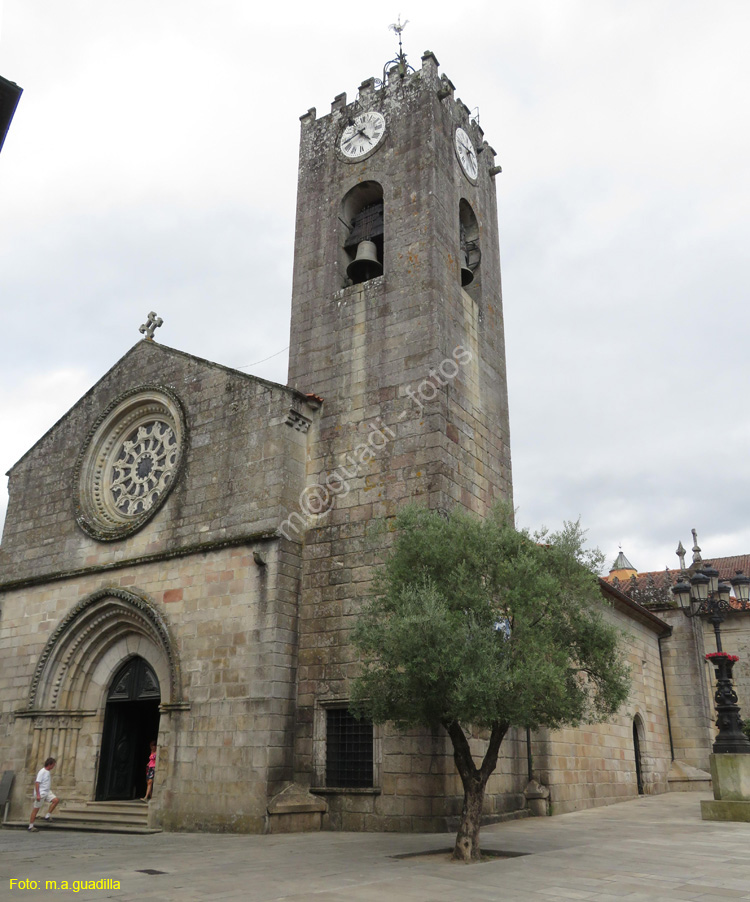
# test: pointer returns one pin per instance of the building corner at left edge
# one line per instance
(10, 94)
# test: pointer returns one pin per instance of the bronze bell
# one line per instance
(467, 276)
(365, 265)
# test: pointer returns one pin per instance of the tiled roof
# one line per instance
(654, 588)
(728, 566)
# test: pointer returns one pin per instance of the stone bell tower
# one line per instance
(403, 175)
(397, 325)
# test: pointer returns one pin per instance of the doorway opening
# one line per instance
(131, 721)
(637, 751)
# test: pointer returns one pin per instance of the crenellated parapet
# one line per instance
(392, 91)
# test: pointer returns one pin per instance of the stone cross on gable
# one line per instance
(151, 325)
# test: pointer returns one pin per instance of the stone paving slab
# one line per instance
(653, 849)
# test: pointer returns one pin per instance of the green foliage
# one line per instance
(435, 640)
(746, 728)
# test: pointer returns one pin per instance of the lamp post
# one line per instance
(704, 594)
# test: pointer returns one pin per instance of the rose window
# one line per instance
(129, 463)
(143, 468)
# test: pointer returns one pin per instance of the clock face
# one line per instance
(363, 135)
(466, 154)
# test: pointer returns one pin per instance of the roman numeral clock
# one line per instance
(363, 135)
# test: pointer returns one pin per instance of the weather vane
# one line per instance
(397, 28)
(402, 65)
(150, 326)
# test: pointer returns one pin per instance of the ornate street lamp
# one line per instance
(704, 594)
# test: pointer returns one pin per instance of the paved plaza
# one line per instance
(653, 848)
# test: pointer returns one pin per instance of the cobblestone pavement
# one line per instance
(655, 848)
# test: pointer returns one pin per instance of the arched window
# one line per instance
(362, 228)
(637, 743)
(471, 254)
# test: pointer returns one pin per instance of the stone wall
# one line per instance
(412, 371)
(595, 764)
(367, 349)
(418, 786)
(688, 691)
(243, 471)
(205, 592)
(225, 738)
(690, 680)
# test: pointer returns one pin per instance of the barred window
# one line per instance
(348, 750)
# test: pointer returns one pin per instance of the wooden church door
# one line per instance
(131, 721)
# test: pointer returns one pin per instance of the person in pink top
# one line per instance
(150, 771)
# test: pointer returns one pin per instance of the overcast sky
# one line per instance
(151, 165)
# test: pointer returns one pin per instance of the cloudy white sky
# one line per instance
(152, 162)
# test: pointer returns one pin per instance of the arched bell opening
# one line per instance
(470, 255)
(362, 221)
(131, 722)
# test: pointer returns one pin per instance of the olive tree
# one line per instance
(476, 623)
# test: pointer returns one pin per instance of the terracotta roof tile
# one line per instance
(654, 587)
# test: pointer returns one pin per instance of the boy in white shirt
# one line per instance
(43, 793)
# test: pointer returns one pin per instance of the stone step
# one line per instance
(127, 810)
(137, 820)
(103, 817)
(91, 826)
(683, 777)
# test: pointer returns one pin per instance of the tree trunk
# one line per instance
(467, 839)
(474, 780)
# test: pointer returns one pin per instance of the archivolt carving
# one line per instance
(83, 638)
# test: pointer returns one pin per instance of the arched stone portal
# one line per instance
(76, 680)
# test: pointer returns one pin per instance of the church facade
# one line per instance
(186, 550)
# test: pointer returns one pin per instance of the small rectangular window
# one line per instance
(348, 750)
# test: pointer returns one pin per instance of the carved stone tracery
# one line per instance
(648, 590)
(143, 468)
(129, 462)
